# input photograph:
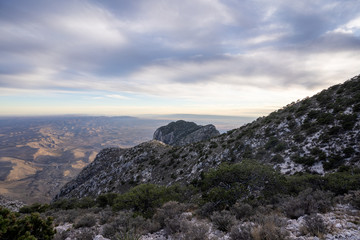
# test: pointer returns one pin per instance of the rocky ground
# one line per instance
(13, 205)
(342, 223)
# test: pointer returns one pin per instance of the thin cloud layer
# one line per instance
(179, 52)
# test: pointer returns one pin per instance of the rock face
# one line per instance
(181, 133)
(13, 205)
(318, 134)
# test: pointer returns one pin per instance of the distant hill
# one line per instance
(317, 135)
(181, 133)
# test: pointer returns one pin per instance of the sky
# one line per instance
(134, 57)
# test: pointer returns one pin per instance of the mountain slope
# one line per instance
(318, 134)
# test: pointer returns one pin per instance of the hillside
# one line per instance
(318, 134)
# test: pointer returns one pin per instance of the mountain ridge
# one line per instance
(318, 134)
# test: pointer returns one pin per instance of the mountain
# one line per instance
(181, 133)
(318, 135)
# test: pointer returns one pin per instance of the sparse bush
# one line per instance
(126, 222)
(242, 210)
(207, 209)
(241, 233)
(314, 225)
(191, 231)
(354, 198)
(85, 221)
(85, 234)
(269, 227)
(223, 220)
(169, 210)
(128, 236)
(307, 202)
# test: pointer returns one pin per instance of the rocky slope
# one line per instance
(318, 134)
(181, 133)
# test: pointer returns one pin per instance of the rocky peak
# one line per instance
(181, 133)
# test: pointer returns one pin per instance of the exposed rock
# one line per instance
(181, 133)
(12, 205)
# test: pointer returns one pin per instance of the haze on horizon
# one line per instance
(108, 57)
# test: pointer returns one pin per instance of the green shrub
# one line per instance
(29, 227)
(64, 204)
(306, 160)
(325, 118)
(106, 199)
(348, 121)
(145, 198)
(342, 182)
(225, 185)
(272, 142)
(86, 202)
(36, 207)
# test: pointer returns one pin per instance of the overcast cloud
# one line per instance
(186, 51)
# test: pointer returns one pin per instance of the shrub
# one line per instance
(273, 141)
(348, 121)
(106, 199)
(307, 202)
(225, 185)
(85, 234)
(145, 198)
(29, 227)
(306, 160)
(128, 236)
(64, 204)
(86, 202)
(354, 198)
(169, 210)
(270, 227)
(314, 225)
(191, 231)
(342, 182)
(36, 207)
(85, 221)
(223, 220)
(241, 233)
(325, 118)
(242, 210)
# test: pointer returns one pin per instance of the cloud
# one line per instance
(177, 49)
(117, 96)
